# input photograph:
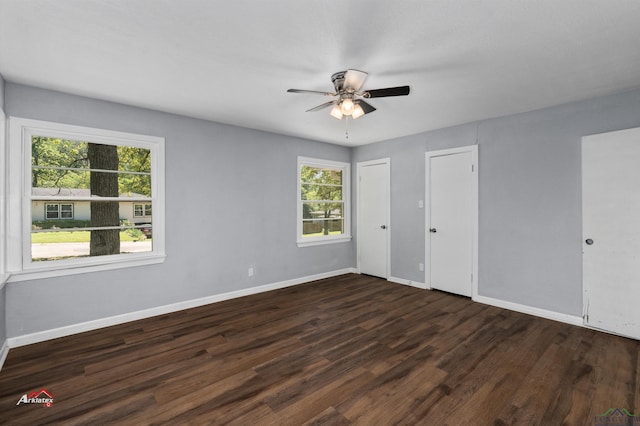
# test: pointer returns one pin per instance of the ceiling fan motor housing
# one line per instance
(338, 80)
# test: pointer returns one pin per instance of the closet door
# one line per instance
(451, 220)
(611, 231)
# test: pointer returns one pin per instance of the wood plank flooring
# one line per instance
(346, 350)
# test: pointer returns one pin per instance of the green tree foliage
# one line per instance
(136, 160)
(52, 152)
(321, 194)
(48, 155)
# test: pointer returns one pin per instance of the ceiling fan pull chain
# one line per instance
(346, 127)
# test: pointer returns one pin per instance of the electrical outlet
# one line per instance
(250, 272)
(421, 267)
(420, 204)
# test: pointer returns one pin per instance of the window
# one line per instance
(79, 185)
(58, 211)
(141, 210)
(323, 202)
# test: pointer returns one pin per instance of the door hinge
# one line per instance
(473, 168)
(471, 277)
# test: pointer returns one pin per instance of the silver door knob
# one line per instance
(432, 230)
(383, 226)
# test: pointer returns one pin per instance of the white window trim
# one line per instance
(346, 197)
(19, 264)
(3, 198)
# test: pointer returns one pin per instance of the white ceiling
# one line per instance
(232, 61)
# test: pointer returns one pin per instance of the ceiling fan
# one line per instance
(349, 100)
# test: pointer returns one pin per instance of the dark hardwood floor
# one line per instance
(346, 350)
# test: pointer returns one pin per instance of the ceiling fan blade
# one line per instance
(323, 106)
(311, 91)
(367, 108)
(354, 79)
(389, 91)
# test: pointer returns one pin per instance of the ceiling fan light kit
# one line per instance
(336, 112)
(350, 101)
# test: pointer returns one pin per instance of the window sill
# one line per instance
(52, 271)
(322, 241)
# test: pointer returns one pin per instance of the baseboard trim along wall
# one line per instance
(530, 310)
(41, 336)
(411, 283)
(543, 313)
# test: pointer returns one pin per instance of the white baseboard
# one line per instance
(538, 312)
(407, 282)
(4, 351)
(41, 336)
(543, 313)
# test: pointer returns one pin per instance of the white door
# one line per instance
(611, 231)
(373, 217)
(451, 220)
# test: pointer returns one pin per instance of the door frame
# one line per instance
(359, 166)
(473, 149)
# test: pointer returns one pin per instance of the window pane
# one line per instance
(137, 210)
(53, 152)
(321, 192)
(66, 183)
(72, 183)
(147, 208)
(309, 174)
(52, 211)
(321, 210)
(318, 228)
(66, 211)
(131, 185)
(38, 225)
(133, 159)
(76, 244)
(59, 167)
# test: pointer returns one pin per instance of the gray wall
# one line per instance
(530, 230)
(241, 184)
(230, 203)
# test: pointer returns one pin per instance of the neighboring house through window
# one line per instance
(323, 202)
(85, 186)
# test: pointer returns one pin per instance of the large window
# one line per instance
(78, 186)
(323, 202)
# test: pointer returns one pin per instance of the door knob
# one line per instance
(383, 226)
(432, 230)
(589, 241)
